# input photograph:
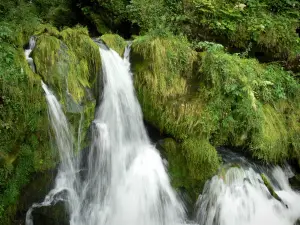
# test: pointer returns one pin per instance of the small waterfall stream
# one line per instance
(27, 52)
(238, 195)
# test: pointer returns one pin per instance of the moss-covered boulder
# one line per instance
(115, 42)
(190, 164)
(24, 129)
(162, 76)
(219, 97)
(69, 62)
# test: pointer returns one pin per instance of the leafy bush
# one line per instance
(268, 26)
(107, 15)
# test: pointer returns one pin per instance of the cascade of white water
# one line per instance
(28, 51)
(240, 197)
(125, 181)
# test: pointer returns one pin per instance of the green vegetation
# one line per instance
(158, 64)
(106, 16)
(226, 99)
(191, 163)
(266, 29)
(67, 60)
(271, 189)
(24, 136)
(115, 42)
(207, 72)
(23, 113)
(26, 147)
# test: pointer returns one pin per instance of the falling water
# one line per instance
(124, 181)
(67, 175)
(239, 196)
(28, 51)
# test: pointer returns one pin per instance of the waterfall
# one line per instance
(124, 181)
(239, 196)
(28, 51)
(67, 176)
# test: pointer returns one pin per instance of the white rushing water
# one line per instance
(239, 197)
(27, 52)
(124, 180)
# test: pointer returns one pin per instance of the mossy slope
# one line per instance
(24, 136)
(217, 97)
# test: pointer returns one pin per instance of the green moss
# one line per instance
(191, 163)
(177, 164)
(244, 95)
(70, 61)
(46, 28)
(115, 42)
(202, 158)
(160, 66)
(270, 188)
(294, 134)
(226, 99)
(24, 135)
(271, 142)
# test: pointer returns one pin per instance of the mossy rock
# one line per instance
(160, 66)
(271, 143)
(224, 98)
(271, 189)
(52, 215)
(191, 164)
(68, 61)
(115, 42)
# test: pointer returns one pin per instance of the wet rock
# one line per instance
(51, 215)
(34, 192)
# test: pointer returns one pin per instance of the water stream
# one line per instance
(239, 196)
(28, 51)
